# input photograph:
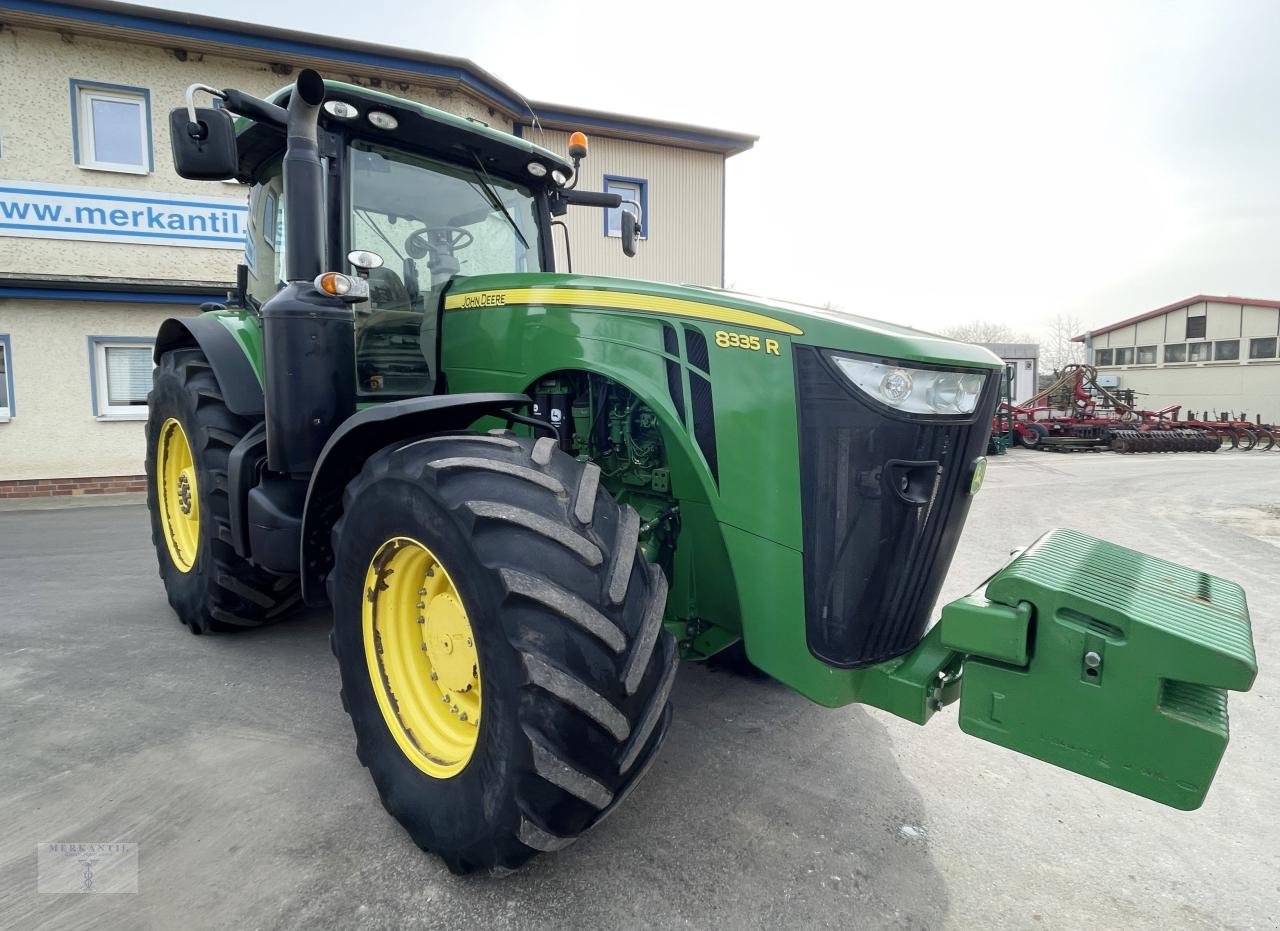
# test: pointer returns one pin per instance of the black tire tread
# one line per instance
(588, 735)
(236, 594)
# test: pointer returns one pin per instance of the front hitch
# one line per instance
(1095, 658)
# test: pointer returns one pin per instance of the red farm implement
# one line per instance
(1077, 413)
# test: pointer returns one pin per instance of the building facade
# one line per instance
(100, 240)
(1206, 353)
(1022, 367)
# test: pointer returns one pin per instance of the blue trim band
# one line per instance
(120, 297)
(588, 123)
(99, 231)
(70, 191)
(267, 44)
(481, 85)
(7, 344)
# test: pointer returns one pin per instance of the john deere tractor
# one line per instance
(526, 494)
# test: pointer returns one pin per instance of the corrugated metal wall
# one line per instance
(685, 240)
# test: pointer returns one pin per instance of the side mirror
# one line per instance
(630, 228)
(204, 150)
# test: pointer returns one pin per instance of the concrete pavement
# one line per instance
(230, 761)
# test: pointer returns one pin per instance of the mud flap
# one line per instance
(1106, 662)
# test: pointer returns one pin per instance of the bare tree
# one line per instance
(986, 331)
(1057, 350)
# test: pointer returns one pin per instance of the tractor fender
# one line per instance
(231, 366)
(356, 439)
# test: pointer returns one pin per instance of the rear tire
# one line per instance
(218, 589)
(574, 665)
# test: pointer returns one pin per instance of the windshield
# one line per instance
(429, 220)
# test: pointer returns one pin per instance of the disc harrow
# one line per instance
(1076, 413)
(1163, 441)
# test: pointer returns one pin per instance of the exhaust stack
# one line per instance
(308, 338)
(304, 181)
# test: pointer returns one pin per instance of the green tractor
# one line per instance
(527, 494)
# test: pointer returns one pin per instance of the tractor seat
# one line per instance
(387, 291)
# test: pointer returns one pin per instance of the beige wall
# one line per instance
(686, 186)
(1249, 385)
(54, 433)
(686, 211)
(36, 68)
(1215, 386)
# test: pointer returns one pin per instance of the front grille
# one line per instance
(873, 561)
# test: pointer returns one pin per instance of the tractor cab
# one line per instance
(418, 196)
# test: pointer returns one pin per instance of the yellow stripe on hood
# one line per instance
(619, 300)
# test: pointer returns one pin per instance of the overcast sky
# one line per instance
(929, 164)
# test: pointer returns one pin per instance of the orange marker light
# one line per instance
(335, 284)
(578, 145)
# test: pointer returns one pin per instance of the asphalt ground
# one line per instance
(230, 762)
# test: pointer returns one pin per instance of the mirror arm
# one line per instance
(590, 198)
(259, 111)
(193, 124)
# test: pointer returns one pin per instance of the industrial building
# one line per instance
(1022, 367)
(100, 240)
(1206, 353)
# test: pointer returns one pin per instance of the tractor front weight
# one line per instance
(1095, 658)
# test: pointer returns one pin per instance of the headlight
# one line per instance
(911, 390)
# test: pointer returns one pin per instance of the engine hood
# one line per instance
(801, 323)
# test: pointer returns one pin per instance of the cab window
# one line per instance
(429, 221)
(264, 240)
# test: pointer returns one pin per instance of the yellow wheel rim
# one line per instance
(422, 657)
(178, 495)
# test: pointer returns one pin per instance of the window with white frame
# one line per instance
(635, 199)
(112, 126)
(121, 369)
(6, 378)
(1262, 348)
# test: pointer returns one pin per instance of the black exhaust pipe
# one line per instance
(303, 180)
(308, 337)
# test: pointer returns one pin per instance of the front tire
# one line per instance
(190, 434)
(572, 665)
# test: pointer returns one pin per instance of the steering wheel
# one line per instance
(433, 239)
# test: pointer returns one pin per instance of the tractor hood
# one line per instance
(800, 323)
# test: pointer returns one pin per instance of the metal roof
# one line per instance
(167, 28)
(1177, 305)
